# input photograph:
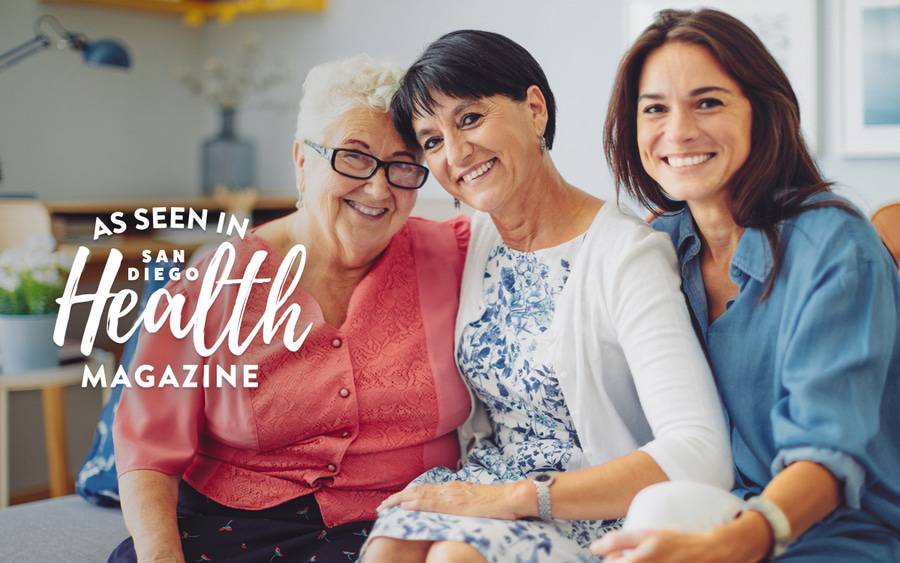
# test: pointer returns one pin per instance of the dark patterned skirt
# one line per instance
(290, 532)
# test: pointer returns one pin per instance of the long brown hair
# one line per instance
(779, 174)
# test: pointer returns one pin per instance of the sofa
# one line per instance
(73, 530)
(66, 529)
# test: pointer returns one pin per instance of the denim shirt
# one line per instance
(813, 371)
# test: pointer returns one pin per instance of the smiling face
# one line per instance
(359, 216)
(483, 150)
(693, 123)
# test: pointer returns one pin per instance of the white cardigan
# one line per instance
(629, 365)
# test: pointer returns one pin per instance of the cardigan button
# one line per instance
(337, 342)
(344, 392)
(332, 467)
(345, 434)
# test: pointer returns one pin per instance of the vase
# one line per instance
(26, 342)
(227, 159)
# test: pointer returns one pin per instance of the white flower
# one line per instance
(38, 261)
(16, 259)
(214, 66)
(36, 256)
(64, 258)
(8, 281)
(228, 85)
(41, 244)
(10, 259)
(47, 276)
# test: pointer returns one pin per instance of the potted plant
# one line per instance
(31, 279)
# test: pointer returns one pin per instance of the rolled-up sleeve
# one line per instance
(841, 465)
(835, 368)
(158, 428)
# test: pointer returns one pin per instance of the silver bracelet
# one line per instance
(778, 522)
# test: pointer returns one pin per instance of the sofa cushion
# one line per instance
(97, 481)
(60, 529)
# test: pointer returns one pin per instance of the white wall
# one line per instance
(69, 131)
(72, 131)
(577, 42)
(870, 183)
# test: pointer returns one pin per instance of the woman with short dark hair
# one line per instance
(793, 294)
(572, 333)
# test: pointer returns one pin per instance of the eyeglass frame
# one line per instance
(330, 154)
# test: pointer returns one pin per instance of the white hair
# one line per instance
(333, 88)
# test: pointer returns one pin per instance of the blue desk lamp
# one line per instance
(105, 52)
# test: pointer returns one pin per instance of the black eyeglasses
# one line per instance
(362, 166)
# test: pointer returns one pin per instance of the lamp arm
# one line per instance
(30, 47)
(52, 22)
(40, 41)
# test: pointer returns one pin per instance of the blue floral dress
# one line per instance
(503, 357)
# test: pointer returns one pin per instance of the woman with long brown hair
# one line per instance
(792, 293)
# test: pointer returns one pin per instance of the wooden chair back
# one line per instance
(887, 222)
(21, 219)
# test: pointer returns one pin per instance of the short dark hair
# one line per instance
(469, 64)
(779, 175)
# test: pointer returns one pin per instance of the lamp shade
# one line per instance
(106, 52)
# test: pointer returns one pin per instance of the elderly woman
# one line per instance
(794, 296)
(572, 332)
(295, 468)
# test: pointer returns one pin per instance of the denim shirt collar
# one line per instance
(753, 255)
(687, 243)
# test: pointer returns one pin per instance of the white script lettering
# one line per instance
(278, 312)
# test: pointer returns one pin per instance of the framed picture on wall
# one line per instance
(786, 27)
(871, 78)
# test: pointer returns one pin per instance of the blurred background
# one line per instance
(86, 140)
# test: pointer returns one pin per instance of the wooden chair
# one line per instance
(887, 222)
(21, 219)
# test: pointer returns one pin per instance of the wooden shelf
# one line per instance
(195, 13)
(73, 224)
(105, 207)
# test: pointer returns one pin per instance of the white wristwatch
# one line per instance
(542, 482)
(778, 522)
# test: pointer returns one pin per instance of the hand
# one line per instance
(660, 546)
(462, 498)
